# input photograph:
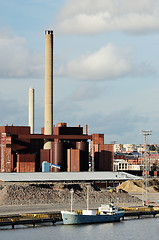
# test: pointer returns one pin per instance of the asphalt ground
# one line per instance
(48, 208)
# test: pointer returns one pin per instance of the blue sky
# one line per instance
(106, 64)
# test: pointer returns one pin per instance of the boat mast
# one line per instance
(71, 191)
(87, 196)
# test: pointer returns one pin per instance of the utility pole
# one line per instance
(146, 133)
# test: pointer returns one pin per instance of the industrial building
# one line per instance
(67, 147)
(21, 151)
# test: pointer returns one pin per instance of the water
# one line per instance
(134, 229)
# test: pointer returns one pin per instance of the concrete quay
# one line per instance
(50, 208)
(51, 217)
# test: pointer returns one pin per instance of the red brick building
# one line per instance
(21, 151)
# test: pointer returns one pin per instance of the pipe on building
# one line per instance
(86, 129)
(31, 110)
(48, 125)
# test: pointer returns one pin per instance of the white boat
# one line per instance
(105, 213)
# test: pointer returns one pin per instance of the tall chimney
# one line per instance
(31, 110)
(86, 129)
(48, 126)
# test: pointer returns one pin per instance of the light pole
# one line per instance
(146, 133)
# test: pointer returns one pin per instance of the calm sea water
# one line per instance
(134, 229)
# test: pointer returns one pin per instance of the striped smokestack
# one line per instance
(48, 126)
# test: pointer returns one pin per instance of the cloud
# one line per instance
(92, 16)
(12, 112)
(85, 92)
(16, 60)
(108, 62)
(122, 126)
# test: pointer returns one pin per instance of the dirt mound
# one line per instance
(150, 182)
(138, 186)
(129, 186)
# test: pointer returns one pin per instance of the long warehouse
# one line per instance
(67, 177)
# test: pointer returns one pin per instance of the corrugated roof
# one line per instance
(65, 176)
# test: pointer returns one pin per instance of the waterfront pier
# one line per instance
(36, 219)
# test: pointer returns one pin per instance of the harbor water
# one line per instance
(129, 229)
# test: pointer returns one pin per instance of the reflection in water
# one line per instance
(138, 229)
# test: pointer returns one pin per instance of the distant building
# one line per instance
(118, 148)
(134, 167)
(120, 165)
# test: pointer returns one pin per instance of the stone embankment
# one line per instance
(54, 193)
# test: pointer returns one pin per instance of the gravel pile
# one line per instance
(138, 186)
(50, 193)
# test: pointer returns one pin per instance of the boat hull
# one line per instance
(70, 218)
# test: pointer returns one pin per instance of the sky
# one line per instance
(106, 64)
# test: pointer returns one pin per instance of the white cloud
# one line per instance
(107, 63)
(16, 60)
(92, 16)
